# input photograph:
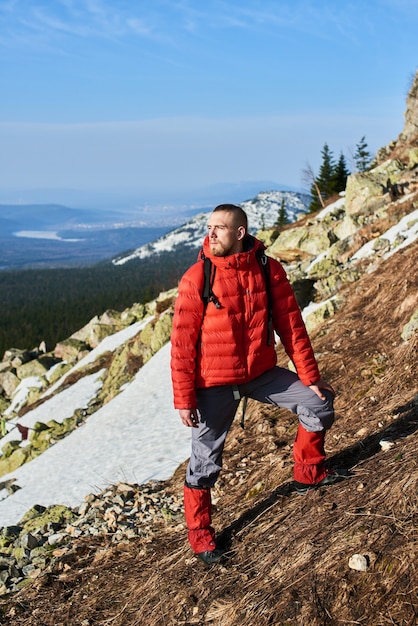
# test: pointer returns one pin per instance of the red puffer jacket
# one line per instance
(228, 345)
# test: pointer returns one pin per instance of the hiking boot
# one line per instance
(211, 557)
(333, 476)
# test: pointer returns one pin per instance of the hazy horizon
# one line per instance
(177, 96)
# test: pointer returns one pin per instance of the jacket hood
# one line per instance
(251, 245)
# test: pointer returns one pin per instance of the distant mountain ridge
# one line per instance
(112, 199)
(48, 217)
(56, 235)
(262, 212)
(53, 235)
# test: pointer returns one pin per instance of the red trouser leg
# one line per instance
(198, 514)
(309, 456)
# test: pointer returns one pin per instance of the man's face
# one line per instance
(224, 236)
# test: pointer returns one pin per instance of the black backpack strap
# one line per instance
(265, 267)
(209, 271)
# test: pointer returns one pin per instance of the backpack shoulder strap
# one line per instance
(265, 268)
(209, 271)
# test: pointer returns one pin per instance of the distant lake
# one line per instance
(24, 249)
(42, 234)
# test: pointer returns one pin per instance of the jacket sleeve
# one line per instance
(187, 320)
(289, 325)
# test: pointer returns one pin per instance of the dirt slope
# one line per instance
(288, 554)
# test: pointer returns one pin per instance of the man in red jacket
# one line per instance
(221, 352)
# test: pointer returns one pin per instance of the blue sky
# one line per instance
(118, 96)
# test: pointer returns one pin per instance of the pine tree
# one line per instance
(341, 173)
(282, 218)
(362, 157)
(325, 180)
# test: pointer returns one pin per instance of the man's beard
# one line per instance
(218, 250)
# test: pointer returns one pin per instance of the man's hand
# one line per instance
(189, 417)
(321, 384)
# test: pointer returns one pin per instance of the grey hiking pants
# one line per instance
(217, 407)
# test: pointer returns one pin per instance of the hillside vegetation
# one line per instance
(290, 557)
(50, 304)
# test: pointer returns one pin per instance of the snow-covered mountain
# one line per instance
(262, 212)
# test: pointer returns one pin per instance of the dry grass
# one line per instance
(288, 554)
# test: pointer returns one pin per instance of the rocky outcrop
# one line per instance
(324, 248)
(311, 237)
(409, 132)
(100, 327)
(46, 536)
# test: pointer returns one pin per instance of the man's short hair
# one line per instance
(240, 216)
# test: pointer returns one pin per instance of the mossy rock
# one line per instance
(312, 238)
(135, 313)
(58, 371)
(156, 334)
(34, 393)
(4, 404)
(39, 517)
(347, 227)
(42, 434)
(9, 382)
(32, 368)
(58, 429)
(9, 447)
(320, 314)
(19, 554)
(412, 158)
(324, 267)
(267, 236)
(364, 193)
(8, 534)
(98, 332)
(339, 251)
(331, 285)
(119, 373)
(39, 426)
(15, 460)
(70, 349)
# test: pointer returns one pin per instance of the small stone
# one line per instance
(83, 508)
(59, 552)
(29, 541)
(358, 562)
(362, 432)
(386, 444)
(55, 539)
(31, 571)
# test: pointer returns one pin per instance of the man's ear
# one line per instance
(241, 232)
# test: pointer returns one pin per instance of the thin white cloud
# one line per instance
(41, 20)
(79, 18)
(161, 20)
